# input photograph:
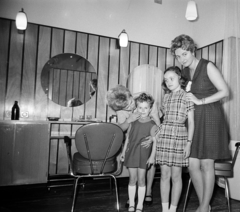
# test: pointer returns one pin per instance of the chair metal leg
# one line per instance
(185, 202)
(227, 194)
(74, 193)
(116, 189)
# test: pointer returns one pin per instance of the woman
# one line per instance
(210, 140)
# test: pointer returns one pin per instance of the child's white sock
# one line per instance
(141, 195)
(173, 208)
(165, 206)
(131, 194)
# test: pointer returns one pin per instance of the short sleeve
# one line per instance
(190, 106)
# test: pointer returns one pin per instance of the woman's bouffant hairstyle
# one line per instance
(183, 41)
(183, 81)
(143, 97)
(118, 97)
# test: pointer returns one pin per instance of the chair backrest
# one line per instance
(99, 141)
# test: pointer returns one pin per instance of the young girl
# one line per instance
(136, 157)
(174, 140)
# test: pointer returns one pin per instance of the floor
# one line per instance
(96, 196)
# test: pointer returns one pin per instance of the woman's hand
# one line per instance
(187, 150)
(133, 117)
(194, 99)
(147, 142)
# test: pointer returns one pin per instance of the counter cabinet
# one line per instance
(24, 151)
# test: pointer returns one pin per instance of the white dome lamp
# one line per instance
(123, 39)
(191, 12)
(21, 20)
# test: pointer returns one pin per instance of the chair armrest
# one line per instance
(68, 143)
(237, 145)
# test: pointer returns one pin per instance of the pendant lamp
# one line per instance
(191, 12)
(123, 39)
(21, 20)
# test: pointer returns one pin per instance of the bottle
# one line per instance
(15, 111)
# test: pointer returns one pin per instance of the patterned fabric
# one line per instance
(210, 140)
(172, 137)
(136, 156)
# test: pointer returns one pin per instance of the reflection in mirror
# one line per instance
(67, 80)
(146, 78)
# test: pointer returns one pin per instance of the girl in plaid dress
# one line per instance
(174, 140)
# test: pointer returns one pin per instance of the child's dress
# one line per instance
(172, 137)
(136, 156)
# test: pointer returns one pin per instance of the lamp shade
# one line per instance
(191, 12)
(21, 20)
(123, 39)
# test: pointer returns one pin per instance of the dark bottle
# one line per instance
(15, 111)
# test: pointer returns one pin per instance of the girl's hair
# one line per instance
(118, 97)
(183, 41)
(182, 80)
(143, 97)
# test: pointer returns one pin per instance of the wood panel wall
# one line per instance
(22, 57)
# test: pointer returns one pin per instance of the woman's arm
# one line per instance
(122, 156)
(151, 159)
(218, 81)
(125, 119)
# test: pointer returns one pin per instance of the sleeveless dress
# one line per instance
(136, 156)
(172, 137)
(211, 138)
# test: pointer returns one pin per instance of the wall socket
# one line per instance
(24, 114)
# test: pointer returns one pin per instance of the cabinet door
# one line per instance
(6, 152)
(24, 153)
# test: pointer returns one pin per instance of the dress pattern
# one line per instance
(210, 140)
(172, 137)
(136, 156)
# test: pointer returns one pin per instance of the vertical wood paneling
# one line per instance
(113, 78)
(199, 54)
(57, 42)
(56, 48)
(153, 56)
(169, 59)
(219, 55)
(143, 54)
(212, 53)
(124, 65)
(102, 77)
(40, 108)
(81, 49)
(134, 56)
(69, 47)
(162, 58)
(4, 52)
(114, 65)
(29, 64)
(93, 58)
(205, 53)
(15, 67)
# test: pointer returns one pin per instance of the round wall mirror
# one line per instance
(69, 80)
(146, 78)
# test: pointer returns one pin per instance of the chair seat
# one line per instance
(223, 165)
(82, 165)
